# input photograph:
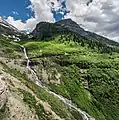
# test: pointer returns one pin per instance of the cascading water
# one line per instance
(67, 102)
(28, 67)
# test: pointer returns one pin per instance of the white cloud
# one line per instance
(41, 11)
(101, 16)
(29, 24)
(15, 13)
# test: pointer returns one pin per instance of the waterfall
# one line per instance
(67, 102)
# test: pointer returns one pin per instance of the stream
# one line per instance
(67, 102)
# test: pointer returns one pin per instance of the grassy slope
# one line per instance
(9, 49)
(56, 105)
(100, 70)
(12, 50)
(77, 63)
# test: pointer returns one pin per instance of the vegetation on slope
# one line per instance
(9, 49)
(56, 105)
(89, 72)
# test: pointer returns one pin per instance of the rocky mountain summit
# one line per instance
(46, 30)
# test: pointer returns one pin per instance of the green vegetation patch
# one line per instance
(36, 49)
(58, 106)
(9, 49)
(88, 62)
(32, 103)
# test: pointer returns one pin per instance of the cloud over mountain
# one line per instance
(58, 9)
(101, 16)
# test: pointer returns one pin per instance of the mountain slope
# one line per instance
(44, 30)
(10, 31)
(78, 72)
(25, 99)
(63, 76)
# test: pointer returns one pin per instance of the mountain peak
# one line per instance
(46, 30)
(67, 22)
(63, 26)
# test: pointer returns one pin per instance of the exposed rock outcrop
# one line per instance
(3, 93)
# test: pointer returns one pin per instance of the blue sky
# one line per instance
(60, 11)
(16, 9)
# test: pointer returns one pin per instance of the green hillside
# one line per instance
(88, 73)
(9, 49)
(85, 72)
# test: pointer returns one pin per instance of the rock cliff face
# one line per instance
(3, 93)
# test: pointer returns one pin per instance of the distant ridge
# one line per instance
(46, 30)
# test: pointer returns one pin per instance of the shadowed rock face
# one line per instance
(45, 29)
